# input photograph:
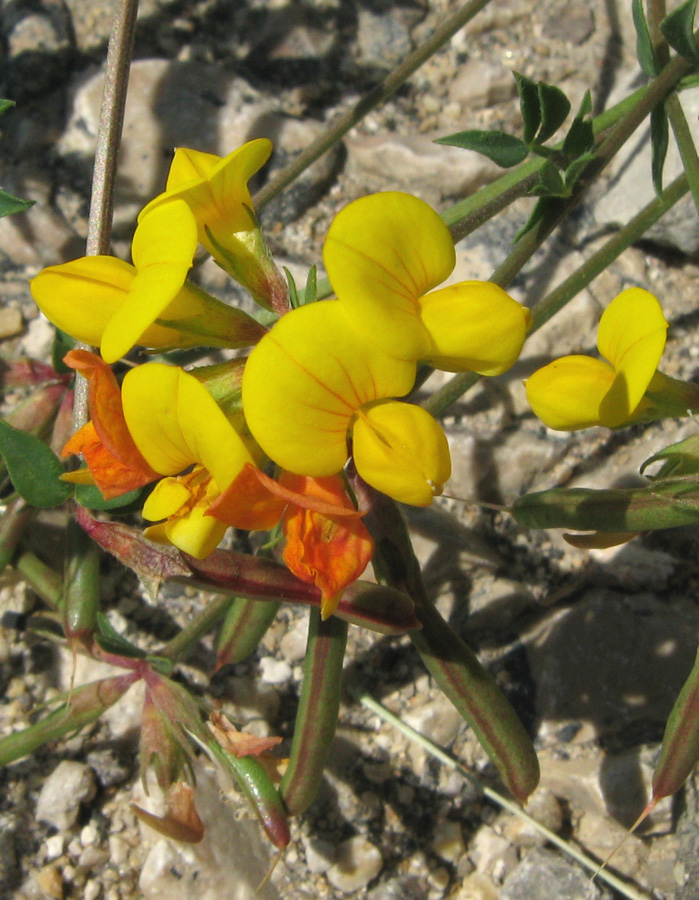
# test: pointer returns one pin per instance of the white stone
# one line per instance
(358, 862)
(64, 790)
(480, 84)
(54, 846)
(448, 841)
(320, 854)
(274, 671)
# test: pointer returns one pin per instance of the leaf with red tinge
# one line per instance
(238, 742)
(181, 821)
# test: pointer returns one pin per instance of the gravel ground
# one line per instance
(591, 648)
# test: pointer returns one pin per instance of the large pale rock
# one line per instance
(70, 784)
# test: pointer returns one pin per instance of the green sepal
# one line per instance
(678, 31)
(663, 504)
(659, 141)
(555, 107)
(311, 292)
(111, 641)
(530, 106)
(294, 301)
(33, 467)
(644, 45)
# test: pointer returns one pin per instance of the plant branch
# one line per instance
(372, 99)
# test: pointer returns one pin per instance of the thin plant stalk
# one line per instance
(200, 625)
(498, 800)
(370, 101)
(99, 227)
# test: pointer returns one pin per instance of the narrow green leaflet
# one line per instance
(10, 204)
(644, 44)
(505, 150)
(62, 343)
(33, 467)
(529, 105)
(111, 641)
(89, 495)
(659, 140)
(550, 183)
(581, 137)
(678, 31)
(555, 107)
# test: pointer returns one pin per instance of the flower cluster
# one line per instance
(326, 382)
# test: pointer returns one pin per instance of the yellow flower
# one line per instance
(109, 303)
(313, 385)
(216, 191)
(580, 391)
(383, 254)
(182, 433)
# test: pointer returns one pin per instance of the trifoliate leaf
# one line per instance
(503, 149)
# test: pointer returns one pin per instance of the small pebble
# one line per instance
(357, 863)
(64, 790)
(274, 671)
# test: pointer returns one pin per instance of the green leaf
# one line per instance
(111, 641)
(580, 139)
(90, 496)
(62, 343)
(293, 292)
(688, 82)
(550, 183)
(544, 206)
(311, 292)
(555, 107)
(644, 45)
(678, 31)
(576, 168)
(33, 468)
(659, 140)
(680, 459)
(529, 105)
(503, 149)
(10, 204)
(5, 105)
(665, 504)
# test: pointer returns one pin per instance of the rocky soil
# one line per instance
(591, 647)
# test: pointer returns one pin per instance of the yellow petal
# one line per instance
(80, 297)
(402, 451)
(474, 326)
(566, 394)
(163, 248)
(166, 498)
(195, 533)
(632, 334)
(382, 253)
(175, 422)
(305, 380)
(216, 189)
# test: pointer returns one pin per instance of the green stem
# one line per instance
(202, 623)
(372, 99)
(17, 515)
(42, 579)
(685, 143)
(81, 591)
(317, 713)
(243, 628)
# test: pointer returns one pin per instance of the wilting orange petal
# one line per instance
(107, 417)
(329, 551)
(110, 475)
(239, 743)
